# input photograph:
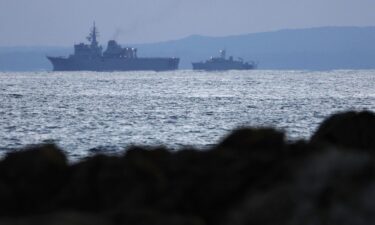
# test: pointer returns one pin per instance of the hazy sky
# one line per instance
(64, 22)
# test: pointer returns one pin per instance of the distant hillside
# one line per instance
(311, 49)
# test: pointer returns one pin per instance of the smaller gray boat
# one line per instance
(221, 63)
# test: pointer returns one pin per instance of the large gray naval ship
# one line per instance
(221, 63)
(115, 58)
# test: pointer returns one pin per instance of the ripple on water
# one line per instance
(88, 112)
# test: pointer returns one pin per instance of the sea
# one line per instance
(87, 113)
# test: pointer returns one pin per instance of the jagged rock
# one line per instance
(30, 178)
(247, 139)
(350, 130)
(334, 187)
(59, 218)
(253, 176)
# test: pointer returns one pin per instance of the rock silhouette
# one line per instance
(253, 176)
(349, 130)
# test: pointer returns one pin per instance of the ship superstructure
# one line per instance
(91, 57)
(222, 63)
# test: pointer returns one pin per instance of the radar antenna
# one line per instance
(222, 53)
(94, 34)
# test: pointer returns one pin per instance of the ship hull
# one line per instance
(113, 64)
(222, 66)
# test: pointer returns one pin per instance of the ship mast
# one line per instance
(92, 36)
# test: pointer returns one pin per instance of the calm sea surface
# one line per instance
(87, 112)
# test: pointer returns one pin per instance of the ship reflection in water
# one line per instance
(91, 57)
(221, 63)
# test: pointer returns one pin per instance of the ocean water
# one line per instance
(89, 112)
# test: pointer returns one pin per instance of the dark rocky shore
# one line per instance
(254, 176)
